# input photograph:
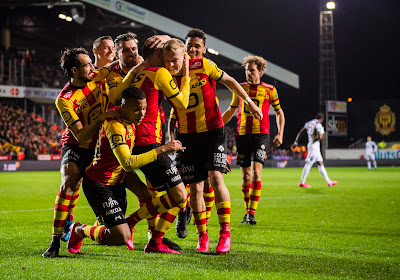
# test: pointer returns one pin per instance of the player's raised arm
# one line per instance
(235, 87)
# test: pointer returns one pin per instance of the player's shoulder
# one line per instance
(267, 86)
(196, 63)
(67, 92)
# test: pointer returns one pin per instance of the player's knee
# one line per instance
(179, 193)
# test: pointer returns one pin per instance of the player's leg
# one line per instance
(199, 215)
(322, 171)
(209, 197)
(246, 183)
(373, 161)
(70, 176)
(183, 217)
(223, 205)
(255, 191)
(311, 158)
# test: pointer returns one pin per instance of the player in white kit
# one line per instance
(370, 149)
(315, 132)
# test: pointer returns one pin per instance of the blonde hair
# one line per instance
(257, 60)
(173, 45)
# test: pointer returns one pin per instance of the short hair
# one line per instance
(133, 92)
(173, 45)
(70, 58)
(97, 42)
(319, 116)
(196, 32)
(257, 60)
(125, 38)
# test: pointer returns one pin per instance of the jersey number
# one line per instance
(193, 100)
(246, 109)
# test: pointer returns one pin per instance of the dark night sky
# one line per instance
(286, 32)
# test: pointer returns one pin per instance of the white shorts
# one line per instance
(314, 152)
(370, 156)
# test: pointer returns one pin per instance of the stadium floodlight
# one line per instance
(212, 51)
(68, 18)
(331, 5)
(77, 17)
(62, 16)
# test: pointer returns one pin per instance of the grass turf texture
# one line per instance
(349, 231)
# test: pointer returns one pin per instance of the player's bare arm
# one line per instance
(280, 122)
(297, 138)
(84, 133)
(170, 147)
(228, 114)
(237, 89)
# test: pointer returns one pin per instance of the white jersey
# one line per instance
(370, 147)
(313, 127)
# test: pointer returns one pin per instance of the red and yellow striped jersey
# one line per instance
(202, 113)
(156, 82)
(263, 95)
(83, 104)
(113, 157)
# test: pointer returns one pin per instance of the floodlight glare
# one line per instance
(62, 16)
(68, 18)
(214, 52)
(331, 5)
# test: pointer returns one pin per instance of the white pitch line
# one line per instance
(287, 197)
(35, 210)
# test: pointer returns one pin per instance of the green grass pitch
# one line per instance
(349, 231)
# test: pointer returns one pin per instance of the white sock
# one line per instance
(322, 170)
(375, 164)
(369, 165)
(306, 170)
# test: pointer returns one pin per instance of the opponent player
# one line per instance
(82, 104)
(370, 149)
(201, 128)
(156, 82)
(315, 132)
(252, 137)
(103, 182)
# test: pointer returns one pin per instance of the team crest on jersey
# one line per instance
(67, 95)
(385, 120)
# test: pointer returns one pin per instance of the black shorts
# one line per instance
(80, 156)
(205, 151)
(108, 202)
(162, 173)
(251, 147)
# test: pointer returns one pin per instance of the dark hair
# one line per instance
(123, 37)
(133, 92)
(70, 58)
(196, 32)
(319, 116)
(97, 42)
(147, 51)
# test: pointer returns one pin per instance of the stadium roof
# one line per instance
(35, 25)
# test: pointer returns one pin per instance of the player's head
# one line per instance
(133, 105)
(77, 64)
(254, 68)
(369, 138)
(320, 117)
(126, 50)
(103, 48)
(173, 54)
(196, 43)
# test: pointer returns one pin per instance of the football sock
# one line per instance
(375, 166)
(164, 223)
(323, 172)
(157, 205)
(209, 198)
(200, 220)
(224, 215)
(245, 193)
(369, 165)
(96, 233)
(61, 213)
(306, 170)
(254, 196)
(73, 201)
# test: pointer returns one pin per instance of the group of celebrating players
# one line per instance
(114, 120)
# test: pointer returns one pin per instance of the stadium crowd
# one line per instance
(25, 134)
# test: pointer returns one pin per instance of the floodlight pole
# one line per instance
(327, 63)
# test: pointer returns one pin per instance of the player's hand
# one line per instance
(170, 147)
(278, 140)
(157, 41)
(255, 111)
(185, 65)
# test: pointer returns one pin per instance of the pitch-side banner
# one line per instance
(337, 124)
(28, 92)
